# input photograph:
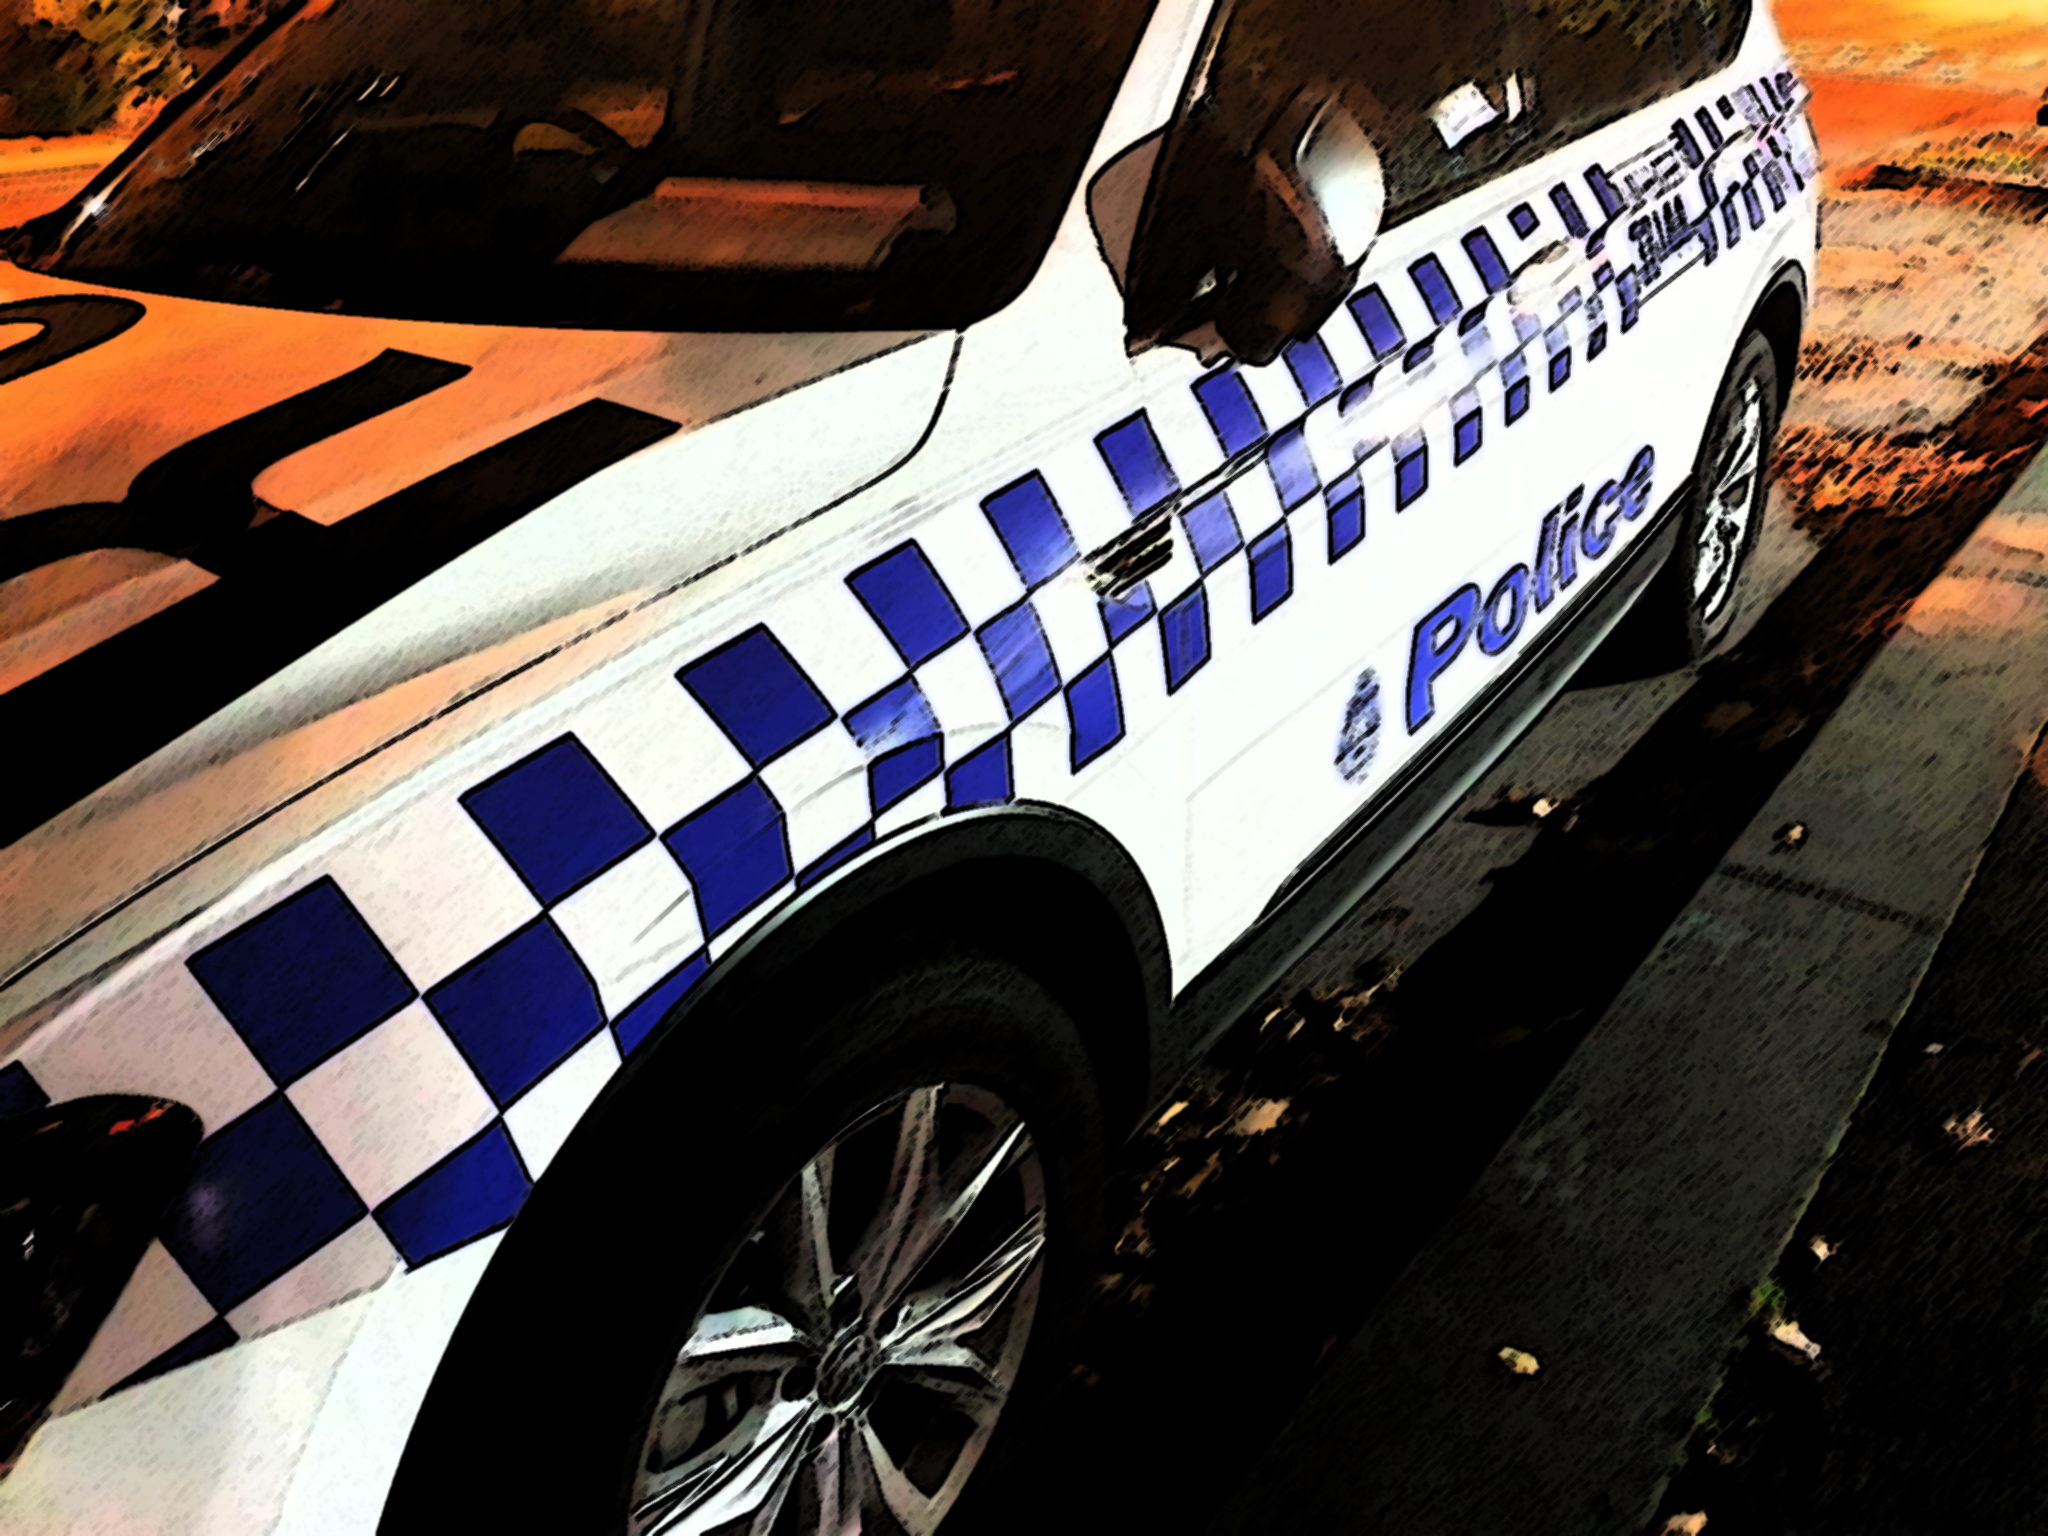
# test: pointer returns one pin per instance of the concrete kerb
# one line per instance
(1619, 1232)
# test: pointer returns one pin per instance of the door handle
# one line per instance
(1546, 269)
(1140, 550)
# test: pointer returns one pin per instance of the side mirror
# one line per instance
(1245, 253)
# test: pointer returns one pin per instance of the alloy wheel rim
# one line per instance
(1730, 506)
(859, 1351)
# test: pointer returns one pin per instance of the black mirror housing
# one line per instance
(1245, 251)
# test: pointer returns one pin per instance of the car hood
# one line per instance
(88, 438)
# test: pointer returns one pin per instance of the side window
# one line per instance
(1582, 64)
(1426, 77)
(633, 164)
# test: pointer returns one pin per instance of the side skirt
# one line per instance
(1332, 880)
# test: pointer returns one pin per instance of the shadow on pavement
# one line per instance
(1263, 1252)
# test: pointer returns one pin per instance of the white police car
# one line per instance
(662, 659)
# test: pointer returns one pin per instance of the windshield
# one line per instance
(637, 164)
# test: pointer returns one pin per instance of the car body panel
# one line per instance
(868, 621)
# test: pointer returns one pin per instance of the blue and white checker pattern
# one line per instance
(387, 1056)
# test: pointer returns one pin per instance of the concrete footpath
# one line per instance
(1620, 1231)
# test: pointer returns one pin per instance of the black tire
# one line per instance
(541, 1412)
(1673, 625)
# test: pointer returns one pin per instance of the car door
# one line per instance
(1404, 495)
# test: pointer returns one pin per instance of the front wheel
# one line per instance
(854, 1361)
(806, 1276)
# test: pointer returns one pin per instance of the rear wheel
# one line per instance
(1693, 603)
(805, 1280)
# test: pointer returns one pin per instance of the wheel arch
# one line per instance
(1049, 891)
(1037, 886)
(1780, 314)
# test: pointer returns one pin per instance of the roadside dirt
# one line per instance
(1919, 1275)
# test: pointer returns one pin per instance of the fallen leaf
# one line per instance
(1543, 807)
(1790, 836)
(1823, 1250)
(1970, 1131)
(1171, 1110)
(1685, 1525)
(1787, 1332)
(1202, 1173)
(1934, 1049)
(1521, 1363)
(1258, 1116)
(2029, 1059)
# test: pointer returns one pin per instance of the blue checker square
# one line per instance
(1014, 643)
(1434, 284)
(735, 851)
(1034, 534)
(757, 694)
(1560, 368)
(196, 1345)
(1418, 354)
(1137, 463)
(900, 735)
(1293, 471)
(1272, 562)
(1125, 612)
(900, 713)
(557, 819)
(835, 856)
(1596, 340)
(982, 777)
(1346, 500)
(1567, 208)
(260, 1197)
(640, 1019)
(895, 774)
(518, 1009)
(910, 603)
(1688, 146)
(1233, 414)
(1611, 203)
(1315, 373)
(1486, 258)
(1212, 531)
(302, 980)
(1514, 373)
(1094, 712)
(1411, 474)
(1376, 321)
(19, 1092)
(1184, 629)
(1523, 219)
(474, 1190)
(1465, 437)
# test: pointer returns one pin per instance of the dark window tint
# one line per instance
(1427, 75)
(1581, 64)
(773, 164)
